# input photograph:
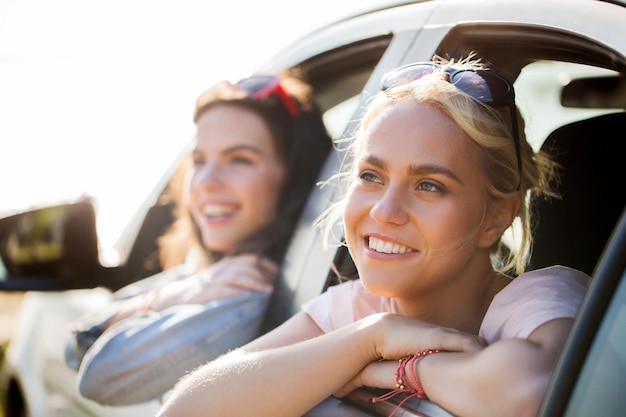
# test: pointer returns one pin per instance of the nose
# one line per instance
(208, 174)
(391, 207)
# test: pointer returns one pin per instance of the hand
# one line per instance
(397, 337)
(229, 277)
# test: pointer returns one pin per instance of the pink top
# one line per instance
(530, 300)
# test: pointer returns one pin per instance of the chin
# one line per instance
(218, 246)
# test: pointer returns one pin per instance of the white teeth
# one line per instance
(387, 247)
(217, 211)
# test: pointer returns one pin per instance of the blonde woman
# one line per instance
(440, 170)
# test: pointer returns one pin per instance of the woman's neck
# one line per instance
(461, 305)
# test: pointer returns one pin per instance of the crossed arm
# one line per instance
(290, 370)
(146, 348)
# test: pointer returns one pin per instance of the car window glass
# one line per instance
(538, 96)
(3, 271)
(600, 387)
(337, 117)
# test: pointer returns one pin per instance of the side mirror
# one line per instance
(51, 248)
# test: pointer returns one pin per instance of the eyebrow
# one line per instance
(238, 148)
(235, 148)
(416, 170)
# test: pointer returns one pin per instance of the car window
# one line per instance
(538, 95)
(600, 387)
(337, 118)
(339, 77)
(538, 91)
(3, 270)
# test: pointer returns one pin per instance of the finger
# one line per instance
(225, 291)
(403, 336)
(378, 374)
(268, 267)
(265, 265)
(252, 281)
(240, 274)
(447, 339)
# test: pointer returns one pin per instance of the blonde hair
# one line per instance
(490, 128)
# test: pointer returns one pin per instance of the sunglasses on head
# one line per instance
(482, 85)
(261, 86)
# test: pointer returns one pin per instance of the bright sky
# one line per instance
(96, 96)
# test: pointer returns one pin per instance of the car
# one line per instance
(567, 59)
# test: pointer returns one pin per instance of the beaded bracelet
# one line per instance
(415, 388)
(419, 390)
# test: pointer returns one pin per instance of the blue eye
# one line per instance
(241, 160)
(369, 176)
(429, 187)
(198, 162)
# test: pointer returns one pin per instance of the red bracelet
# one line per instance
(419, 390)
(416, 390)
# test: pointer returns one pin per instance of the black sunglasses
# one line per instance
(482, 85)
(261, 86)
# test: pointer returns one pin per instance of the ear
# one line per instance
(500, 215)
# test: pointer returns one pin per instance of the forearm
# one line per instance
(137, 360)
(285, 381)
(139, 296)
(128, 308)
(507, 378)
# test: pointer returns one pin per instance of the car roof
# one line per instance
(395, 16)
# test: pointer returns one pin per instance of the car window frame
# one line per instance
(588, 329)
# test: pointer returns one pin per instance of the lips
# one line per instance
(218, 211)
(382, 246)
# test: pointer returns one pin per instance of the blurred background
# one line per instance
(96, 96)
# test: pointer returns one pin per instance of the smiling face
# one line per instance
(237, 177)
(415, 212)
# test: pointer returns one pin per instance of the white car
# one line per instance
(568, 61)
